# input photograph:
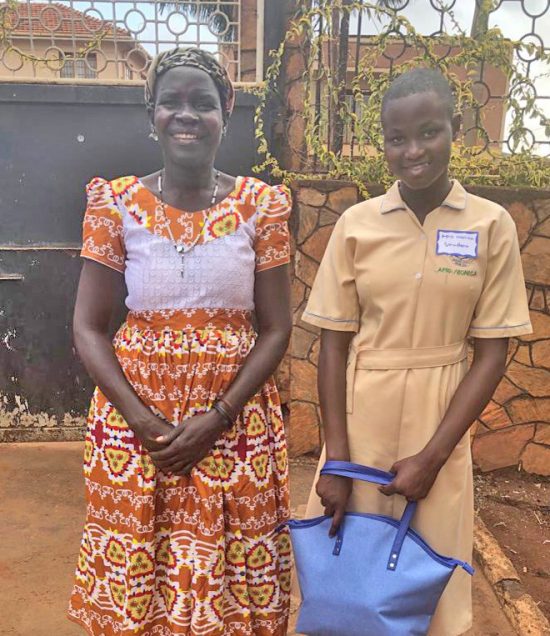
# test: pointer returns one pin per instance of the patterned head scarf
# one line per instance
(197, 59)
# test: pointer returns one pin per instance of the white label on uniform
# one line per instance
(457, 243)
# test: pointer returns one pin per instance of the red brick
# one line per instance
(536, 459)
(303, 432)
(528, 409)
(534, 381)
(536, 260)
(541, 354)
(494, 416)
(310, 196)
(506, 391)
(541, 327)
(308, 217)
(342, 199)
(502, 448)
(304, 381)
(524, 218)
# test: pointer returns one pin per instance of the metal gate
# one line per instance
(71, 108)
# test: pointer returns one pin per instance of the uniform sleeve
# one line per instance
(272, 243)
(502, 310)
(333, 302)
(102, 231)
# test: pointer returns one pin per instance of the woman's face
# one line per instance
(418, 133)
(188, 116)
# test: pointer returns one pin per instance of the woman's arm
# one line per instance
(100, 290)
(192, 440)
(334, 491)
(272, 301)
(415, 475)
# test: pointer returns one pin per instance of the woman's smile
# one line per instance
(185, 138)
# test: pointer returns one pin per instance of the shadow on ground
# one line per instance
(41, 517)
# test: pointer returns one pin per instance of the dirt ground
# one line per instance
(41, 517)
(516, 509)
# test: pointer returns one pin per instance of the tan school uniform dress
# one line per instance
(413, 293)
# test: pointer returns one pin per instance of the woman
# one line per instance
(185, 456)
(405, 279)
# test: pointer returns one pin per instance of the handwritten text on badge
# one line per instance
(457, 243)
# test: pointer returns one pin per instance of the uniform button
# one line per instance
(418, 275)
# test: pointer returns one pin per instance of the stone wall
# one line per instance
(515, 427)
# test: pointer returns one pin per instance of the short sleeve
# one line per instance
(333, 302)
(272, 243)
(102, 230)
(502, 310)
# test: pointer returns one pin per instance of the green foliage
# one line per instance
(478, 163)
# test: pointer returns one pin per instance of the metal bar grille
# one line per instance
(109, 42)
(509, 112)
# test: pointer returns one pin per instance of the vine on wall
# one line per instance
(316, 32)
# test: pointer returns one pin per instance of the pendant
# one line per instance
(180, 249)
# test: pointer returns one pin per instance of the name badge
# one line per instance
(456, 243)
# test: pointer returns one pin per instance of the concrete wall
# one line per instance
(515, 427)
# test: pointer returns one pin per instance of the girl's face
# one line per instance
(418, 133)
(188, 116)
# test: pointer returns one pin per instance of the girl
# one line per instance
(405, 279)
(185, 459)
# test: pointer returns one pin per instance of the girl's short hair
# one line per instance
(420, 80)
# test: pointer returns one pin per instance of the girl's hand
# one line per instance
(414, 477)
(189, 442)
(334, 492)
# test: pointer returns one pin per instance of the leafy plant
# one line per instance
(323, 113)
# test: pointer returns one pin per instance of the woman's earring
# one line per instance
(224, 131)
(153, 134)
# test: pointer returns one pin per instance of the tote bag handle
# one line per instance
(374, 476)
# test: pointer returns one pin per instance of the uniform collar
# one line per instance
(456, 199)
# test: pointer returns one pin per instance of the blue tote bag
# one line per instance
(376, 577)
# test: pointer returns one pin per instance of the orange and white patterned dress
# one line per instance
(202, 554)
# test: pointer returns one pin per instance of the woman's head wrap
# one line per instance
(197, 59)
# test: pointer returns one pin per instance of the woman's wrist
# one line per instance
(138, 419)
(228, 407)
(224, 414)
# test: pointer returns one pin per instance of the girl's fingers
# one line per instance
(336, 521)
(388, 490)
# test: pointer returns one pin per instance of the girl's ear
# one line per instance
(456, 124)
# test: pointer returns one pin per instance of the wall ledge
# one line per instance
(495, 193)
